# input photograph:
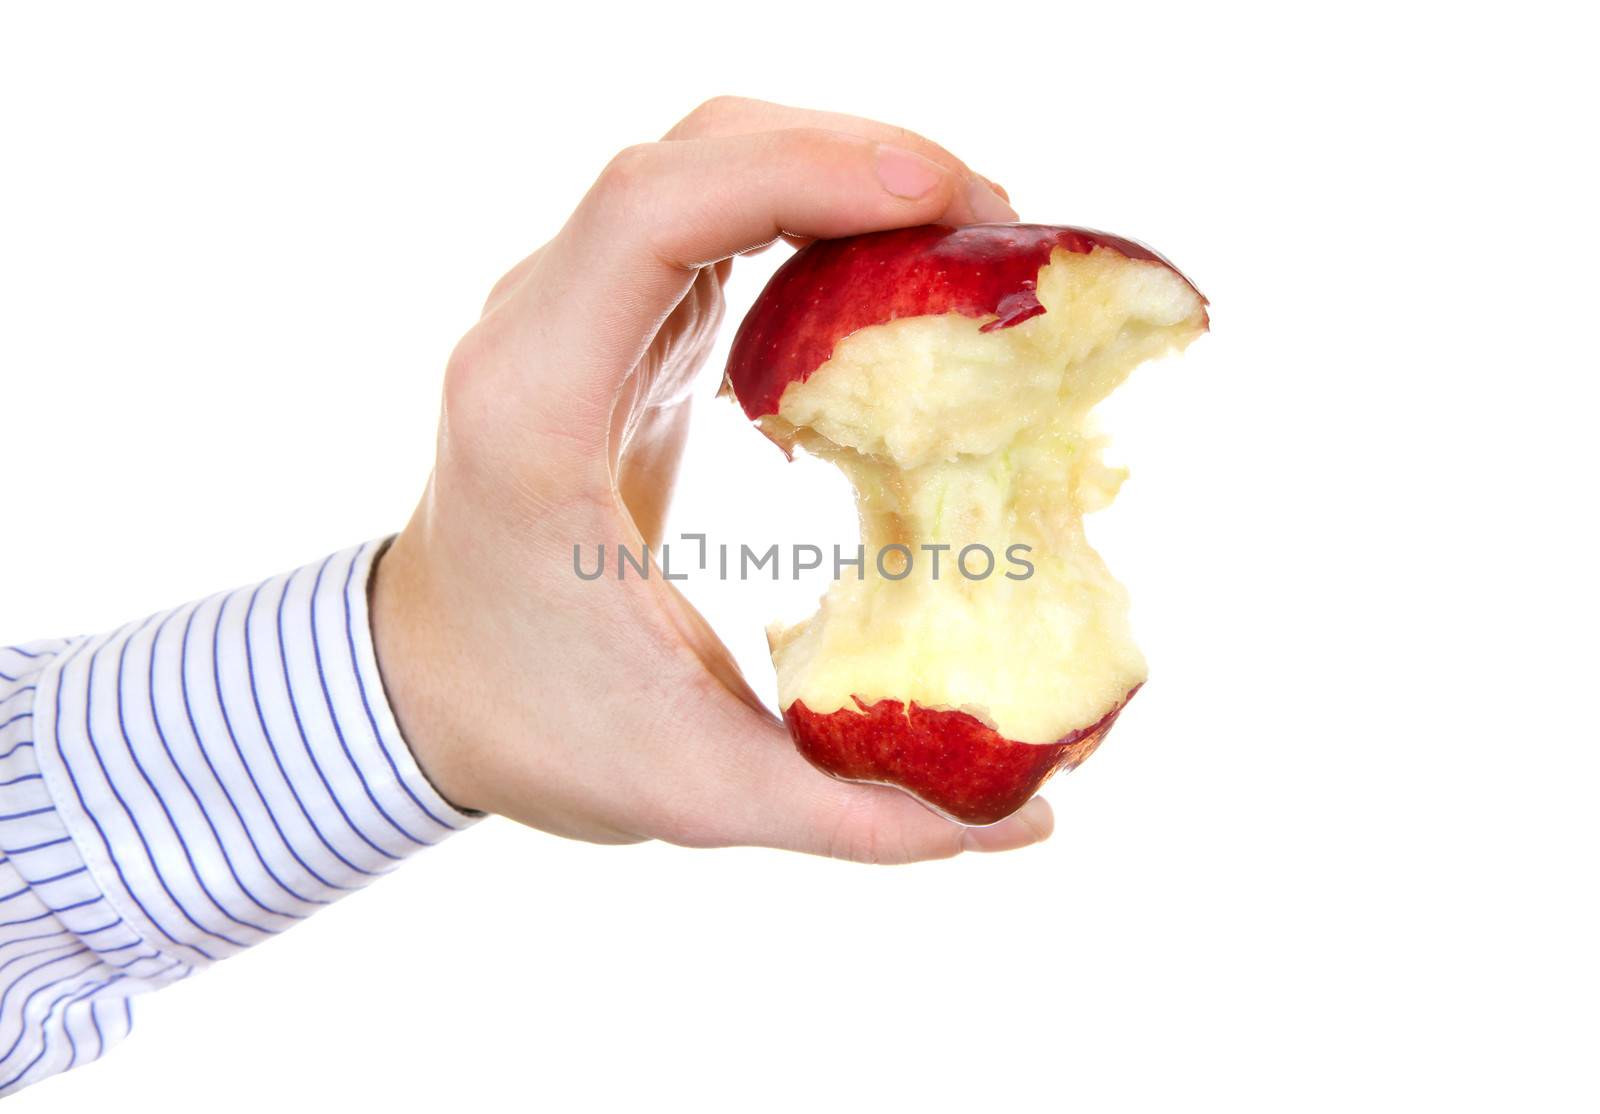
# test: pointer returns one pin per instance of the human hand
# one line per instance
(607, 710)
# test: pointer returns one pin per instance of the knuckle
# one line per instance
(707, 115)
(464, 373)
(503, 288)
(628, 169)
(864, 834)
(858, 837)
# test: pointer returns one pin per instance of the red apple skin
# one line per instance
(831, 288)
(950, 761)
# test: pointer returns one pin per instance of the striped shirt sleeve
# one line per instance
(184, 787)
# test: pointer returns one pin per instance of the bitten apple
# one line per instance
(950, 373)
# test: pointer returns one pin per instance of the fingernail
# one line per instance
(1005, 194)
(988, 206)
(905, 173)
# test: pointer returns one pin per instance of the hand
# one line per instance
(607, 710)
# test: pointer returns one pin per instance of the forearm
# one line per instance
(183, 788)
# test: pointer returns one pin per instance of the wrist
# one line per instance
(414, 669)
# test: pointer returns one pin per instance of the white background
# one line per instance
(1341, 852)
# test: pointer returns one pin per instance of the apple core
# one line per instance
(972, 431)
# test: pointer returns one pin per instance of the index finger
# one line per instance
(629, 254)
(724, 116)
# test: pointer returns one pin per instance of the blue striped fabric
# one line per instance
(184, 787)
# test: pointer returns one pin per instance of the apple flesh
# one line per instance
(951, 374)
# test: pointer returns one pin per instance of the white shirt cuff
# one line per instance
(188, 786)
